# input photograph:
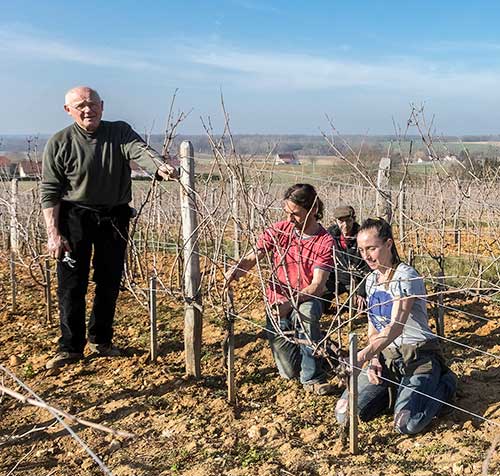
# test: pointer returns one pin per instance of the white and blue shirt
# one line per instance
(406, 282)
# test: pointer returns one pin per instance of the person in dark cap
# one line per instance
(347, 258)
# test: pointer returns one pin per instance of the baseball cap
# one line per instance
(343, 211)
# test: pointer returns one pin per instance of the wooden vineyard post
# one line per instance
(479, 282)
(440, 304)
(440, 288)
(353, 393)
(383, 200)
(402, 210)
(352, 299)
(361, 199)
(411, 257)
(14, 242)
(48, 292)
(231, 382)
(253, 211)
(192, 279)
(235, 210)
(152, 320)
(13, 282)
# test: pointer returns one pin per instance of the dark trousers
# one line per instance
(105, 233)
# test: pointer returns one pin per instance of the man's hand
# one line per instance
(167, 172)
(57, 244)
(241, 268)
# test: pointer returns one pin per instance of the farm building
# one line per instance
(30, 169)
(286, 159)
(6, 167)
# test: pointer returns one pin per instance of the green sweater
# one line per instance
(91, 168)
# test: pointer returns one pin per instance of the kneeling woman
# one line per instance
(405, 361)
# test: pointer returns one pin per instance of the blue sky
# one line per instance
(281, 65)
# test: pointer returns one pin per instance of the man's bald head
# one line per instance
(85, 106)
(79, 91)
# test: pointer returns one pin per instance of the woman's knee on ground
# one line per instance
(341, 410)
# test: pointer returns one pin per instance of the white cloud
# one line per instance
(264, 69)
(199, 63)
(34, 45)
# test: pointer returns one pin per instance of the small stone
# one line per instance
(255, 432)
(114, 446)
(15, 360)
(167, 433)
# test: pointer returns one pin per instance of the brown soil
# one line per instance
(185, 427)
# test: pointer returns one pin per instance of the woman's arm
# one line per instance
(400, 311)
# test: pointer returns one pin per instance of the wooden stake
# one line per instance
(13, 242)
(361, 200)
(440, 313)
(192, 278)
(153, 346)
(402, 207)
(13, 282)
(383, 203)
(353, 394)
(352, 285)
(14, 239)
(48, 291)
(231, 382)
(236, 217)
(411, 257)
(479, 282)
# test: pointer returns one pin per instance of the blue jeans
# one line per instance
(412, 411)
(297, 360)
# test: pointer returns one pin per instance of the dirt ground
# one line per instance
(185, 427)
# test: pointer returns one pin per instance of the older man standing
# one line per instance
(86, 188)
